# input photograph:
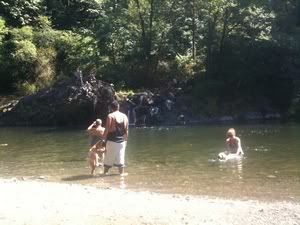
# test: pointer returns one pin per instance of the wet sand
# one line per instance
(48, 203)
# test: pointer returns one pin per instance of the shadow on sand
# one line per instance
(109, 175)
(78, 177)
(88, 176)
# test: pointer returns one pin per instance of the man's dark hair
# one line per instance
(114, 105)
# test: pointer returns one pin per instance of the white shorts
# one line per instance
(115, 154)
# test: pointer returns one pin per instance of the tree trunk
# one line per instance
(222, 41)
(146, 38)
(210, 39)
(193, 31)
(142, 24)
(149, 46)
(298, 13)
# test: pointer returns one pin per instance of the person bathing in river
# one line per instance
(233, 144)
(95, 132)
(96, 152)
(116, 134)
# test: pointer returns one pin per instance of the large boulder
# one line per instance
(76, 101)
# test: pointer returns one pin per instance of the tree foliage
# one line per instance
(20, 12)
(232, 54)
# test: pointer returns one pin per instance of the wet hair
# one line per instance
(98, 121)
(114, 105)
(231, 132)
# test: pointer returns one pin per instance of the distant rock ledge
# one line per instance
(73, 102)
(78, 101)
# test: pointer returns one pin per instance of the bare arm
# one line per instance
(239, 150)
(107, 126)
(228, 150)
(93, 148)
(101, 131)
(91, 126)
(126, 127)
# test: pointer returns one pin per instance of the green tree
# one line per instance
(72, 14)
(76, 51)
(20, 12)
(21, 54)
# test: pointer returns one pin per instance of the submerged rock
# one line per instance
(71, 102)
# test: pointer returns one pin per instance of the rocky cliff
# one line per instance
(76, 101)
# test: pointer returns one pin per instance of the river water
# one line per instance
(180, 160)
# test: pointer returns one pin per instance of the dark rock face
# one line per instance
(147, 109)
(77, 101)
(173, 108)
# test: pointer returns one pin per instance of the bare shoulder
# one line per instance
(237, 139)
(100, 128)
(120, 114)
(110, 116)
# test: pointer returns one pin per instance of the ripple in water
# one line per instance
(261, 149)
(168, 160)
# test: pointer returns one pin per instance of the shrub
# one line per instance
(25, 52)
(26, 88)
(122, 95)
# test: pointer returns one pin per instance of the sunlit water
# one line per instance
(180, 160)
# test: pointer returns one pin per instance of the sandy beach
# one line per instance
(48, 203)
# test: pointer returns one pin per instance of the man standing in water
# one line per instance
(115, 134)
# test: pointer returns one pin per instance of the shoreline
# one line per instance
(49, 203)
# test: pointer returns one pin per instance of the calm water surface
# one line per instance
(168, 159)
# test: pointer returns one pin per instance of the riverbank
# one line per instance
(35, 203)
(37, 109)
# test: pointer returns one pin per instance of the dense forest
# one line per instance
(230, 55)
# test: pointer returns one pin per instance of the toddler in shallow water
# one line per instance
(96, 154)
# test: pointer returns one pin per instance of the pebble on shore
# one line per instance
(39, 202)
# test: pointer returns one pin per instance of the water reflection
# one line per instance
(232, 166)
(261, 149)
(122, 183)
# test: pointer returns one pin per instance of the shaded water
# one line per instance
(170, 160)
